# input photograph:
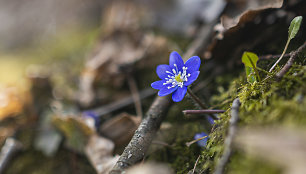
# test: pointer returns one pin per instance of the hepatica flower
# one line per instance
(201, 143)
(177, 76)
(93, 117)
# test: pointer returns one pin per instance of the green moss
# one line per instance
(264, 103)
(177, 154)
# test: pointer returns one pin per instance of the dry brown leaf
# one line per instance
(121, 128)
(246, 10)
(284, 146)
(75, 130)
(99, 152)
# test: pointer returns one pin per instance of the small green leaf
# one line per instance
(294, 27)
(249, 59)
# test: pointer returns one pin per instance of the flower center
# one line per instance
(176, 77)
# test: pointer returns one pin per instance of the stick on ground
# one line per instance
(229, 139)
(289, 63)
(138, 146)
(204, 111)
(9, 149)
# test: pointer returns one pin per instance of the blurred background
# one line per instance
(75, 75)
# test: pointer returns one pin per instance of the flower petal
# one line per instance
(193, 64)
(161, 71)
(175, 58)
(158, 84)
(201, 143)
(165, 91)
(179, 94)
(192, 78)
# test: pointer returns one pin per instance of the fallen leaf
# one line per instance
(121, 128)
(246, 10)
(99, 152)
(75, 130)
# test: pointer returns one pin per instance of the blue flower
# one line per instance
(94, 116)
(201, 143)
(211, 120)
(177, 76)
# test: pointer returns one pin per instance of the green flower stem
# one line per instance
(197, 100)
(255, 69)
(280, 58)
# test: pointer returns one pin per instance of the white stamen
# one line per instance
(173, 80)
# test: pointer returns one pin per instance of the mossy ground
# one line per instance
(266, 103)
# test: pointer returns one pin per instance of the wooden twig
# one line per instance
(202, 105)
(9, 149)
(195, 165)
(194, 141)
(138, 146)
(271, 56)
(135, 95)
(122, 103)
(229, 139)
(289, 63)
(204, 111)
(161, 143)
(199, 102)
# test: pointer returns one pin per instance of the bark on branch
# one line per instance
(138, 146)
(230, 137)
(289, 63)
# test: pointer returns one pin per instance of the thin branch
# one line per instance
(194, 141)
(122, 103)
(271, 56)
(135, 95)
(229, 139)
(198, 101)
(161, 143)
(204, 111)
(289, 63)
(9, 149)
(138, 146)
(195, 165)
